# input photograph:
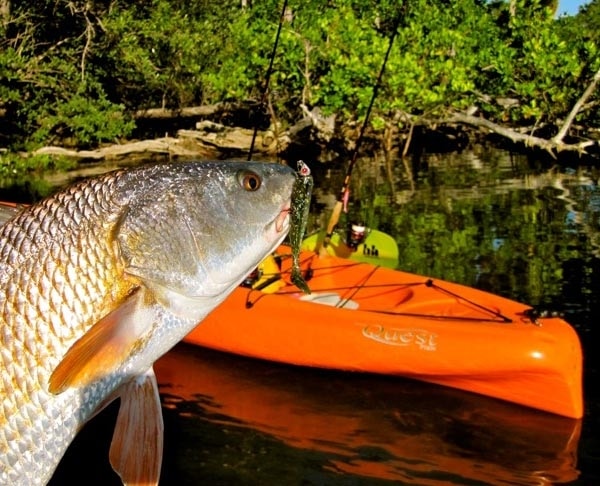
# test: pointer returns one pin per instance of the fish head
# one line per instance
(200, 228)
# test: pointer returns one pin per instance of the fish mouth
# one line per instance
(282, 219)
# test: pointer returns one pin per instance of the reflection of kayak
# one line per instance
(361, 317)
(372, 427)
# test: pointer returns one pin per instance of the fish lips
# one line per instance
(282, 221)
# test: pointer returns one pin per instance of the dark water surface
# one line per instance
(488, 219)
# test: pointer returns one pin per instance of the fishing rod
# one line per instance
(339, 204)
(263, 98)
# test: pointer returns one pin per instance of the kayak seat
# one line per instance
(332, 299)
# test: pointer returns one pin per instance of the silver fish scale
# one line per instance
(51, 292)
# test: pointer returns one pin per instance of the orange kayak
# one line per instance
(369, 318)
(365, 318)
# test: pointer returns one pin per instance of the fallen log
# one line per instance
(208, 140)
(188, 143)
(167, 146)
(552, 146)
(191, 111)
(227, 140)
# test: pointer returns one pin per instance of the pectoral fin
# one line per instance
(137, 444)
(105, 346)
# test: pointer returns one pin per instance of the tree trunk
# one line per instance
(576, 108)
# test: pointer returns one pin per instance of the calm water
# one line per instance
(501, 223)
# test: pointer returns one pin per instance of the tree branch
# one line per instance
(190, 111)
(528, 140)
(89, 35)
(576, 109)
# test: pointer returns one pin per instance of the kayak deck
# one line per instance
(362, 317)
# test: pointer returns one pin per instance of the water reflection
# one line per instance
(366, 427)
(487, 219)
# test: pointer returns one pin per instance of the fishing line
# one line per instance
(335, 215)
(263, 97)
(370, 107)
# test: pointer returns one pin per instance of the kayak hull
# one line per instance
(365, 318)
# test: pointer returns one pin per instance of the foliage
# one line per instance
(76, 71)
(26, 171)
(44, 83)
(582, 33)
(542, 66)
(440, 60)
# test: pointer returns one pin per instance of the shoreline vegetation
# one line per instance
(103, 80)
(214, 139)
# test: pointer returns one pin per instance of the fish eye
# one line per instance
(249, 180)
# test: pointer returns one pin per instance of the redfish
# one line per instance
(101, 279)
